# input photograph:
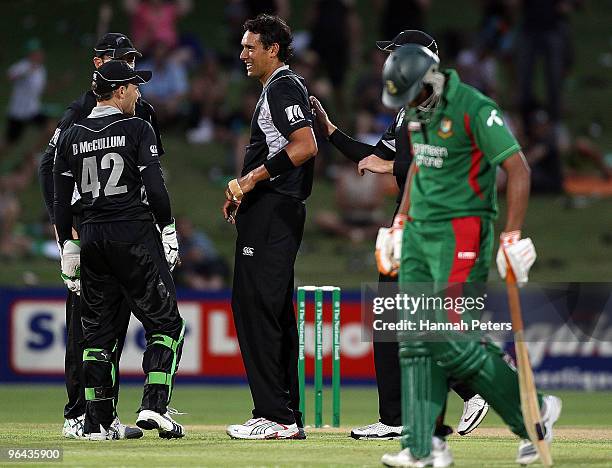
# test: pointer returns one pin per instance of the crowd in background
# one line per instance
(192, 82)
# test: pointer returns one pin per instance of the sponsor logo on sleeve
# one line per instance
(294, 114)
(494, 119)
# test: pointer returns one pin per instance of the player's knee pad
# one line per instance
(99, 374)
(460, 359)
(162, 356)
(424, 388)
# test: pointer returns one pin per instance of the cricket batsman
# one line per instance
(458, 139)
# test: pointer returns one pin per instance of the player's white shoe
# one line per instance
(73, 428)
(474, 411)
(168, 428)
(104, 434)
(126, 432)
(378, 431)
(262, 428)
(551, 410)
(440, 457)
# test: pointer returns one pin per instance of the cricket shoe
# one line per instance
(104, 434)
(440, 457)
(377, 430)
(126, 432)
(550, 411)
(262, 428)
(168, 428)
(474, 411)
(73, 427)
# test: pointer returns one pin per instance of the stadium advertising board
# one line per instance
(32, 337)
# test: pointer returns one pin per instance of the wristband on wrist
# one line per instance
(278, 164)
(510, 237)
(399, 220)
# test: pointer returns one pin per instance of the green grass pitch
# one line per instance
(31, 416)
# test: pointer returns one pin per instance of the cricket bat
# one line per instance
(529, 398)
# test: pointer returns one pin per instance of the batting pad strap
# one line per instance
(159, 378)
(167, 341)
(278, 164)
(99, 393)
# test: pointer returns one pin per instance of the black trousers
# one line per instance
(270, 228)
(124, 262)
(388, 380)
(73, 361)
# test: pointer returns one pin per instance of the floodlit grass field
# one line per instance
(31, 416)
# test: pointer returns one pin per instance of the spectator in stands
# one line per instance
(154, 22)
(29, 78)
(359, 201)
(544, 33)
(335, 29)
(206, 96)
(201, 266)
(168, 88)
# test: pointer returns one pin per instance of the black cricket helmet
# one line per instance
(404, 73)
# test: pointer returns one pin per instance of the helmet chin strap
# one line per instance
(436, 80)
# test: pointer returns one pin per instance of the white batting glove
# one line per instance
(389, 247)
(71, 265)
(521, 254)
(384, 252)
(170, 243)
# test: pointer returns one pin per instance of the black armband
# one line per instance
(278, 164)
(349, 147)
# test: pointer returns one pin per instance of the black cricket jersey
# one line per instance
(78, 110)
(106, 156)
(283, 108)
(395, 145)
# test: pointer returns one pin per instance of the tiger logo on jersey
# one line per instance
(445, 131)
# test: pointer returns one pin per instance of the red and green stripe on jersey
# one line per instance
(456, 154)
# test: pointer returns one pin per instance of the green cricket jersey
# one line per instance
(456, 154)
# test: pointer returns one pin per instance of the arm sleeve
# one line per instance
(45, 170)
(63, 183)
(152, 178)
(289, 106)
(492, 135)
(349, 147)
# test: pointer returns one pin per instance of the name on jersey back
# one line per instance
(98, 144)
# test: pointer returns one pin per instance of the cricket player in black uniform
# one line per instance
(111, 157)
(112, 46)
(393, 155)
(268, 206)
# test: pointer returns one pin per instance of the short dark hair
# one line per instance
(272, 29)
(101, 96)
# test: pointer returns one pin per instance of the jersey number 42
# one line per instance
(89, 178)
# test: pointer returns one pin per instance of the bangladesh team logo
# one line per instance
(446, 128)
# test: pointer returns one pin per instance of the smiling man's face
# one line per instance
(257, 59)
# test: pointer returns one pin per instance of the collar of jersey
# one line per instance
(452, 83)
(276, 72)
(103, 111)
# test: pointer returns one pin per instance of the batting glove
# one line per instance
(170, 243)
(521, 254)
(389, 247)
(71, 265)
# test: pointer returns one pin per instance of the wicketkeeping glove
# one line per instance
(170, 243)
(389, 247)
(521, 254)
(71, 265)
